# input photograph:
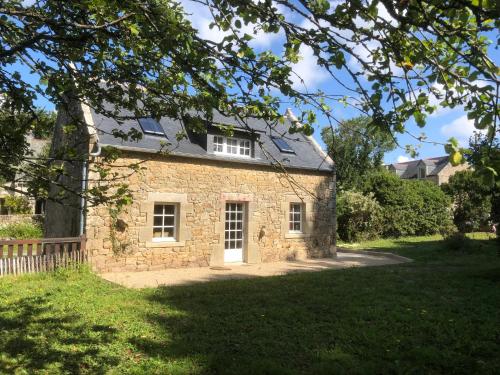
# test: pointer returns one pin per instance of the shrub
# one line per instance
(17, 204)
(433, 207)
(359, 216)
(409, 207)
(20, 231)
(472, 200)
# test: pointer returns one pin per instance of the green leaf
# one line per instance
(419, 118)
(373, 9)
(456, 158)
(134, 29)
(484, 122)
(454, 142)
(339, 60)
(485, 4)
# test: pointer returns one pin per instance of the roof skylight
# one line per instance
(151, 126)
(283, 145)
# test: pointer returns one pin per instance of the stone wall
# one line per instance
(448, 171)
(201, 188)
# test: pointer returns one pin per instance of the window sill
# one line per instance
(297, 235)
(165, 244)
(232, 156)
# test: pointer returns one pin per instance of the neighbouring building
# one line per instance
(18, 189)
(213, 199)
(436, 169)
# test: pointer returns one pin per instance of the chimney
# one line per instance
(291, 116)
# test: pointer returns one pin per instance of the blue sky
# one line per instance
(443, 124)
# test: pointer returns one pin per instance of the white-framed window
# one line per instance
(245, 147)
(164, 222)
(231, 146)
(218, 143)
(422, 172)
(295, 220)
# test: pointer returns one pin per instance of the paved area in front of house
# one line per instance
(179, 276)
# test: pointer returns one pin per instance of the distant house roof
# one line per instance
(409, 169)
(307, 154)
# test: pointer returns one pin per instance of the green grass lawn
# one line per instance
(437, 315)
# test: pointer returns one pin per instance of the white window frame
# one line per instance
(218, 143)
(231, 146)
(163, 226)
(291, 217)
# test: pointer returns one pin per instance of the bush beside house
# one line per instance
(17, 204)
(21, 231)
(360, 216)
(407, 208)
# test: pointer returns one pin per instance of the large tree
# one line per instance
(391, 60)
(358, 147)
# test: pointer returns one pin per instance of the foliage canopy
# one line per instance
(357, 147)
(410, 207)
(392, 61)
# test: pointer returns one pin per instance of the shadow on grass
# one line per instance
(397, 319)
(38, 337)
(434, 316)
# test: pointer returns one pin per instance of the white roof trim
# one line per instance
(89, 120)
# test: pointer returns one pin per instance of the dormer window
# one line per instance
(422, 172)
(231, 146)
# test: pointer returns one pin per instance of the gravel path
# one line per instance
(180, 276)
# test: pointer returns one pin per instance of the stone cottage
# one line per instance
(18, 188)
(437, 169)
(256, 194)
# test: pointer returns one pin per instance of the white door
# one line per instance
(234, 229)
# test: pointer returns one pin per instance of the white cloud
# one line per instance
(216, 35)
(403, 159)
(364, 52)
(434, 101)
(307, 72)
(201, 18)
(461, 128)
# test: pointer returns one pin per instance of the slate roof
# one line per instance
(409, 169)
(306, 156)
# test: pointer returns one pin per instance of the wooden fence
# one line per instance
(31, 256)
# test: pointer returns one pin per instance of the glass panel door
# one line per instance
(234, 229)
